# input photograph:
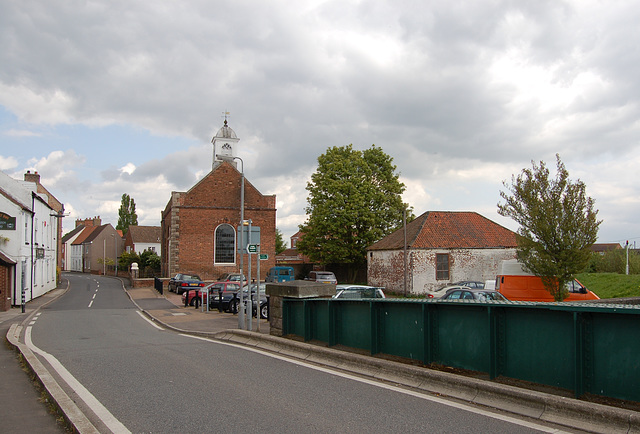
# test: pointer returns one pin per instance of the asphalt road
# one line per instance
(148, 380)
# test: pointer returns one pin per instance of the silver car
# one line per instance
(358, 291)
(322, 277)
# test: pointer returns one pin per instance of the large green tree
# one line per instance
(354, 199)
(557, 221)
(127, 213)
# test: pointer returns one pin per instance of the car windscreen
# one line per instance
(190, 277)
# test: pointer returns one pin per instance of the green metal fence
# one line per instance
(585, 348)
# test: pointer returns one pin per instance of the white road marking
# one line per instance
(90, 303)
(393, 388)
(92, 402)
(149, 321)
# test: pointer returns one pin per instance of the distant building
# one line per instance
(101, 247)
(141, 238)
(292, 257)
(601, 248)
(72, 257)
(442, 247)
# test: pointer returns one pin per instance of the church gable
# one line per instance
(221, 188)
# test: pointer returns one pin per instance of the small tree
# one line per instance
(354, 200)
(280, 244)
(149, 262)
(557, 222)
(128, 258)
(127, 214)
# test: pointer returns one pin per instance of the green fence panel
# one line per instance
(353, 323)
(320, 321)
(401, 329)
(615, 355)
(463, 338)
(293, 320)
(539, 346)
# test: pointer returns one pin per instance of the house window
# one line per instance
(442, 266)
(225, 243)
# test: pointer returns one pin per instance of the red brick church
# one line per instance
(200, 226)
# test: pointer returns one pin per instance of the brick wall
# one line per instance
(386, 267)
(190, 219)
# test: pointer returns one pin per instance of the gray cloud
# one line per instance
(460, 94)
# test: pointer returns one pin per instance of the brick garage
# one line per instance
(190, 220)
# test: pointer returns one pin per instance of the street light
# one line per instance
(230, 158)
(115, 248)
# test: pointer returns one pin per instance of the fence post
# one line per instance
(578, 336)
(375, 329)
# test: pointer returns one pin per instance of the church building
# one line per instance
(200, 227)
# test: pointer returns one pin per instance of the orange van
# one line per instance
(517, 285)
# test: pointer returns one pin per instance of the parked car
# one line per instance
(280, 274)
(322, 277)
(466, 293)
(229, 290)
(182, 281)
(232, 277)
(439, 292)
(358, 291)
(264, 301)
(473, 284)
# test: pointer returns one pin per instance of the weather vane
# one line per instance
(225, 116)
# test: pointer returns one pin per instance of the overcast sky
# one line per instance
(110, 97)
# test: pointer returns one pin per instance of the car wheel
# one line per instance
(193, 301)
(264, 311)
(233, 306)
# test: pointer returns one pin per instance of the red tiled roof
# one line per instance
(450, 230)
(83, 235)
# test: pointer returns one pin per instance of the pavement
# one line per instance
(167, 311)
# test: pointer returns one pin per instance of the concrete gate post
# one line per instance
(293, 289)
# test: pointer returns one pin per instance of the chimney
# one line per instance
(32, 177)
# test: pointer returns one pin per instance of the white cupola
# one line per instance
(224, 144)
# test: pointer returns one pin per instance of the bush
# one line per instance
(614, 261)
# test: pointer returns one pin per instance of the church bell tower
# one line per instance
(225, 144)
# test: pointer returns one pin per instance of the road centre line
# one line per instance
(415, 394)
(92, 402)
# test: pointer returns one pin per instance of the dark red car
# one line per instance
(229, 289)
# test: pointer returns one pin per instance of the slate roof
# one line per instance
(72, 233)
(449, 230)
(145, 234)
(94, 233)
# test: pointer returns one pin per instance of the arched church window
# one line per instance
(225, 244)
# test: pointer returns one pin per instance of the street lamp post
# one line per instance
(241, 227)
(115, 252)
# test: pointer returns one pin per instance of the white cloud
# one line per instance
(7, 163)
